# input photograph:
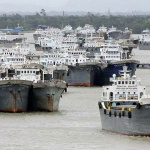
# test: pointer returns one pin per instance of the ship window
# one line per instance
(133, 82)
(122, 82)
(18, 72)
(30, 71)
(24, 71)
(126, 82)
(33, 71)
(111, 95)
(21, 71)
(27, 71)
(141, 94)
(37, 72)
(129, 82)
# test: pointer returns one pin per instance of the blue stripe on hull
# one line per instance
(114, 69)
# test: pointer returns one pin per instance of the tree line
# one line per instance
(31, 22)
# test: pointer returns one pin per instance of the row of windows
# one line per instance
(105, 93)
(111, 52)
(110, 47)
(75, 53)
(126, 82)
(31, 72)
(9, 53)
(51, 56)
(50, 62)
(16, 59)
(112, 56)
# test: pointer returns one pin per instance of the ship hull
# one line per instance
(91, 51)
(36, 36)
(114, 67)
(14, 95)
(84, 75)
(138, 124)
(60, 74)
(10, 43)
(46, 96)
(117, 35)
(144, 46)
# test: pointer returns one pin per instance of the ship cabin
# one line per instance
(31, 74)
(3, 36)
(124, 89)
(144, 38)
(71, 57)
(34, 73)
(112, 51)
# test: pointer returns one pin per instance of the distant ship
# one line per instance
(85, 74)
(4, 42)
(144, 42)
(15, 31)
(115, 57)
(117, 34)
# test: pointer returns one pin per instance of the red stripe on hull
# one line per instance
(148, 135)
(11, 110)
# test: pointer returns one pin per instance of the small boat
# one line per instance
(124, 109)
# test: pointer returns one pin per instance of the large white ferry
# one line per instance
(123, 108)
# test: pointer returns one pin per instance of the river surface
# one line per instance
(76, 126)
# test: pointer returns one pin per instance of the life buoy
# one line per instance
(129, 114)
(100, 105)
(77, 64)
(138, 106)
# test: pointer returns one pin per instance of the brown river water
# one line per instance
(76, 126)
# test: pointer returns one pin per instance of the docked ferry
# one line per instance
(115, 57)
(123, 106)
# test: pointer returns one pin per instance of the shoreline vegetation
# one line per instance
(31, 22)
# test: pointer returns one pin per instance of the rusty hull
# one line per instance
(88, 84)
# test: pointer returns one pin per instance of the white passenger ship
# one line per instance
(123, 108)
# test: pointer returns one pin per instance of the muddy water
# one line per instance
(76, 126)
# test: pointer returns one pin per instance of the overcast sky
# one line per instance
(75, 5)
